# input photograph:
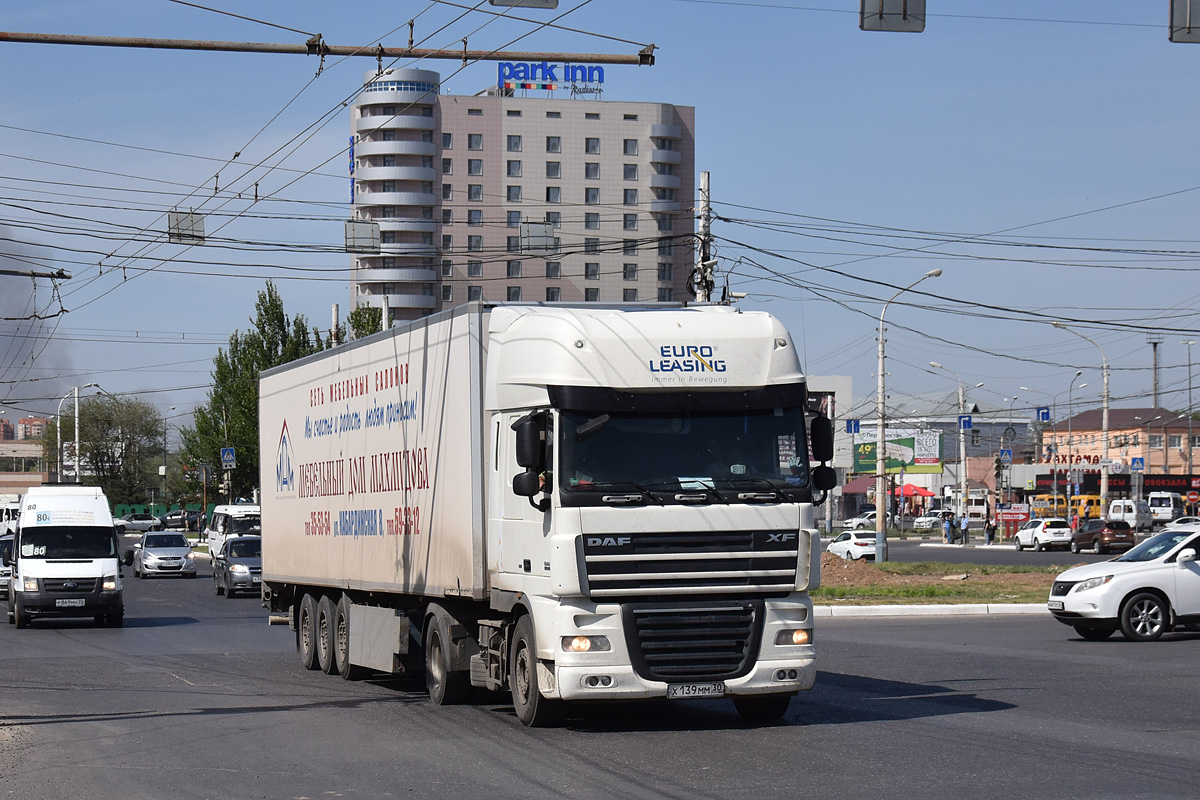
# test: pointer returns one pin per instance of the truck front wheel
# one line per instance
(532, 708)
(446, 687)
(306, 632)
(20, 617)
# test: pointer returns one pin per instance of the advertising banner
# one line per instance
(908, 450)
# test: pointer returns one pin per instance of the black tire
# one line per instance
(1094, 633)
(99, 620)
(1017, 544)
(116, 619)
(326, 613)
(217, 587)
(446, 687)
(1074, 546)
(229, 592)
(766, 708)
(306, 631)
(534, 710)
(341, 643)
(1144, 617)
(20, 617)
(1099, 548)
(1037, 545)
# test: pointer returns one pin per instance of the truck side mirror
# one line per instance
(824, 478)
(529, 442)
(526, 484)
(821, 437)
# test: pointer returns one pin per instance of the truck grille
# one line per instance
(663, 564)
(69, 584)
(679, 642)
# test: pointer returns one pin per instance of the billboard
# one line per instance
(909, 450)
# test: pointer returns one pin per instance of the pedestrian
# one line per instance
(964, 526)
(947, 527)
(989, 530)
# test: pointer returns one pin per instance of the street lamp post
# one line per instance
(1070, 442)
(962, 439)
(1103, 418)
(882, 503)
(58, 428)
(1190, 410)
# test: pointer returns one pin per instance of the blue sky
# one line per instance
(1036, 152)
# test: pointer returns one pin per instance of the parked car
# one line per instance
(238, 566)
(1135, 512)
(1144, 593)
(163, 554)
(927, 522)
(6, 544)
(853, 546)
(865, 521)
(1042, 533)
(1103, 535)
(181, 518)
(142, 522)
(1181, 521)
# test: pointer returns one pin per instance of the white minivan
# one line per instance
(1135, 512)
(64, 558)
(236, 520)
(1166, 506)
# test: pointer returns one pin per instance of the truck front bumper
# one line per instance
(620, 682)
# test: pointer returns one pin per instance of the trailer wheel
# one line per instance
(325, 627)
(532, 708)
(341, 643)
(306, 632)
(446, 687)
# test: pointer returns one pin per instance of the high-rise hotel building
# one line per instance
(502, 197)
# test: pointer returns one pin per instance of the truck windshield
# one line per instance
(53, 541)
(744, 451)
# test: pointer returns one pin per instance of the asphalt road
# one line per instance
(198, 698)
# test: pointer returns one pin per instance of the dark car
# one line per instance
(1103, 535)
(6, 544)
(237, 566)
(181, 518)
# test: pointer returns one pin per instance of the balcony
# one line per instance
(665, 182)
(394, 275)
(395, 301)
(396, 174)
(663, 206)
(395, 199)
(666, 132)
(666, 156)
(406, 224)
(395, 148)
(398, 122)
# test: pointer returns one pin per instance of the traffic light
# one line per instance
(999, 469)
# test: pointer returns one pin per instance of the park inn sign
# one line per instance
(546, 73)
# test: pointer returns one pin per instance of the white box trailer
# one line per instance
(573, 503)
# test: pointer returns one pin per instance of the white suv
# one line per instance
(1144, 593)
(1042, 533)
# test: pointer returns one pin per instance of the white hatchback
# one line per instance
(1042, 533)
(1144, 593)
(852, 546)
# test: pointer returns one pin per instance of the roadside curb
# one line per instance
(930, 610)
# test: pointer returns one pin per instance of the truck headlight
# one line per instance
(1092, 583)
(30, 584)
(794, 636)
(110, 583)
(585, 644)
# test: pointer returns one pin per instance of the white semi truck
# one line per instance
(571, 503)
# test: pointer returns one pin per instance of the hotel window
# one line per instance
(666, 295)
(475, 244)
(631, 117)
(591, 145)
(514, 218)
(666, 271)
(474, 141)
(1175, 441)
(554, 219)
(447, 268)
(592, 115)
(629, 272)
(475, 166)
(629, 247)
(514, 169)
(447, 166)
(514, 269)
(387, 237)
(512, 112)
(553, 294)
(514, 294)
(389, 135)
(591, 171)
(664, 169)
(664, 194)
(591, 271)
(447, 294)
(514, 244)
(447, 191)
(664, 144)
(514, 194)
(388, 186)
(630, 147)
(630, 197)
(475, 191)
(427, 211)
(553, 169)
(666, 222)
(514, 144)
(631, 172)
(553, 194)
(553, 144)
(447, 216)
(591, 295)
(427, 162)
(447, 141)
(475, 217)
(591, 245)
(388, 261)
(388, 212)
(474, 269)
(427, 136)
(389, 161)
(553, 115)
(629, 295)
(553, 269)
(629, 221)
(666, 247)
(591, 195)
(447, 241)
(591, 221)
(474, 293)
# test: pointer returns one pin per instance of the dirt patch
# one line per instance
(837, 572)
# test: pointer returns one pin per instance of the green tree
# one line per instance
(229, 417)
(364, 320)
(121, 445)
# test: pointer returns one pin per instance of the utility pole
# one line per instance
(704, 281)
(1155, 339)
